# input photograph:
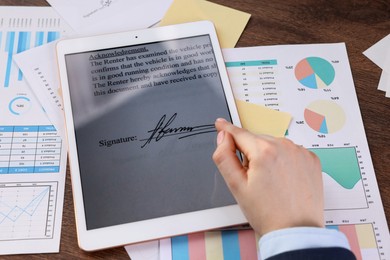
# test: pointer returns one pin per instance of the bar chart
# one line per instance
(242, 244)
(361, 238)
(13, 42)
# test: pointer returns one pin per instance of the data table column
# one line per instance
(6, 133)
(48, 152)
(23, 149)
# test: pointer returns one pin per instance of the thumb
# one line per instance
(226, 159)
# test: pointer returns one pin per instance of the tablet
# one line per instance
(140, 108)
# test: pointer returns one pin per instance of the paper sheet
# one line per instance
(108, 16)
(384, 81)
(261, 120)
(379, 53)
(32, 151)
(314, 84)
(42, 76)
(229, 23)
(153, 250)
(144, 251)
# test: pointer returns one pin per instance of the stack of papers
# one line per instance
(379, 53)
(33, 151)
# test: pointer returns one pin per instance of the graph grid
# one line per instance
(27, 210)
(342, 178)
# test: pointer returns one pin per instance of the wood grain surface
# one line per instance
(359, 24)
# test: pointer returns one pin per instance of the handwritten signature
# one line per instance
(106, 2)
(164, 129)
(103, 4)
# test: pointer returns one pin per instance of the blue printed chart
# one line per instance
(13, 42)
(18, 105)
(28, 141)
(32, 154)
(27, 210)
(29, 149)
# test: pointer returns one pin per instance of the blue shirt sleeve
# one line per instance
(290, 239)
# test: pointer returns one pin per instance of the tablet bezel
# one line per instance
(101, 238)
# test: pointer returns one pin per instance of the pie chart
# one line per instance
(314, 72)
(324, 116)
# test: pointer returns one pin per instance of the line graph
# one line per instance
(342, 178)
(27, 210)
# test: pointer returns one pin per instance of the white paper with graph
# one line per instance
(314, 83)
(32, 152)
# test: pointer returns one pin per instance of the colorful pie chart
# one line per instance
(314, 72)
(324, 116)
(19, 105)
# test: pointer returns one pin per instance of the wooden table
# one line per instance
(359, 24)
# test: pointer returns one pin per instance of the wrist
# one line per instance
(289, 239)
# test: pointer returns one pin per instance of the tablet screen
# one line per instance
(144, 126)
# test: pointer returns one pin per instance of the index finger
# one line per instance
(245, 141)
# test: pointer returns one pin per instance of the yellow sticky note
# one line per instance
(261, 120)
(229, 23)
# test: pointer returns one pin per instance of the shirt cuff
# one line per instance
(290, 239)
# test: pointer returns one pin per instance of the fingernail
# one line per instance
(220, 137)
(221, 119)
